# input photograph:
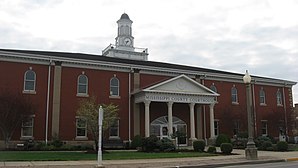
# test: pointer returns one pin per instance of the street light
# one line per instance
(251, 152)
(99, 152)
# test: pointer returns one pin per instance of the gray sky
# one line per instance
(229, 35)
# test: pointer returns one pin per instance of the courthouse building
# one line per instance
(154, 98)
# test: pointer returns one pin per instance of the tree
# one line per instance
(14, 108)
(88, 109)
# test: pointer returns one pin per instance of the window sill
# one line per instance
(82, 95)
(29, 92)
(81, 138)
(23, 138)
(114, 137)
(235, 103)
(114, 97)
(263, 104)
(279, 105)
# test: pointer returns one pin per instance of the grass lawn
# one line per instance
(67, 156)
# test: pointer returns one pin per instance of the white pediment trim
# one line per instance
(181, 89)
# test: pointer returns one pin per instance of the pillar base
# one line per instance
(251, 153)
(99, 166)
(191, 140)
(211, 141)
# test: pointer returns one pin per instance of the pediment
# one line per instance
(181, 85)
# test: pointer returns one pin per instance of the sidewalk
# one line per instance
(215, 161)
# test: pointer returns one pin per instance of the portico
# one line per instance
(180, 89)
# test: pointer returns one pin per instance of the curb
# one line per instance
(291, 159)
(232, 164)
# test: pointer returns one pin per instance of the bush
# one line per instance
(222, 138)
(282, 146)
(150, 143)
(136, 141)
(211, 149)
(265, 145)
(199, 146)
(167, 145)
(226, 148)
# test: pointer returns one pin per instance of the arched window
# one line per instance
(262, 96)
(114, 86)
(29, 80)
(279, 97)
(82, 84)
(234, 95)
(214, 89)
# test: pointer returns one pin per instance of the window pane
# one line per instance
(155, 130)
(81, 132)
(82, 79)
(82, 89)
(29, 85)
(114, 91)
(27, 131)
(114, 129)
(30, 75)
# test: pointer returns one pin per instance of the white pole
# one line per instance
(99, 154)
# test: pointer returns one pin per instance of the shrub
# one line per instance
(222, 138)
(150, 143)
(57, 142)
(260, 140)
(282, 146)
(167, 145)
(199, 145)
(211, 149)
(136, 141)
(265, 145)
(226, 148)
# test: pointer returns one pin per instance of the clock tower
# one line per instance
(124, 45)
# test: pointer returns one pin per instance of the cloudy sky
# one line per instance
(229, 35)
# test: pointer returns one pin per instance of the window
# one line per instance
(214, 89)
(114, 86)
(236, 127)
(264, 128)
(262, 97)
(29, 81)
(81, 127)
(82, 85)
(114, 129)
(216, 127)
(234, 95)
(27, 127)
(279, 98)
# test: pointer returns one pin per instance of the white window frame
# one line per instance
(31, 126)
(264, 128)
(216, 127)
(112, 87)
(214, 89)
(279, 98)
(234, 95)
(82, 84)
(81, 137)
(117, 127)
(262, 97)
(25, 89)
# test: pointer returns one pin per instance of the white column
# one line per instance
(212, 133)
(192, 121)
(170, 119)
(147, 118)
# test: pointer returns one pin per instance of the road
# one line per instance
(269, 165)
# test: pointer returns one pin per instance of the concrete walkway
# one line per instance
(214, 161)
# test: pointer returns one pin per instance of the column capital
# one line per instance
(212, 105)
(170, 103)
(147, 102)
(192, 105)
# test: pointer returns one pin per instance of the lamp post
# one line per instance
(99, 152)
(251, 152)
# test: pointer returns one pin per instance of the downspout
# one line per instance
(285, 109)
(254, 110)
(129, 105)
(204, 113)
(48, 101)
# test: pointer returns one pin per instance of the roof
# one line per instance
(93, 57)
(124, 16)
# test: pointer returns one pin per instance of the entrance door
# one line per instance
(159, 127)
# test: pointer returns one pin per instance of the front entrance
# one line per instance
(159, 127)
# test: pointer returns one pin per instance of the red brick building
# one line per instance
(153, 97)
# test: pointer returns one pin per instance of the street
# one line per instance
(269, 165)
